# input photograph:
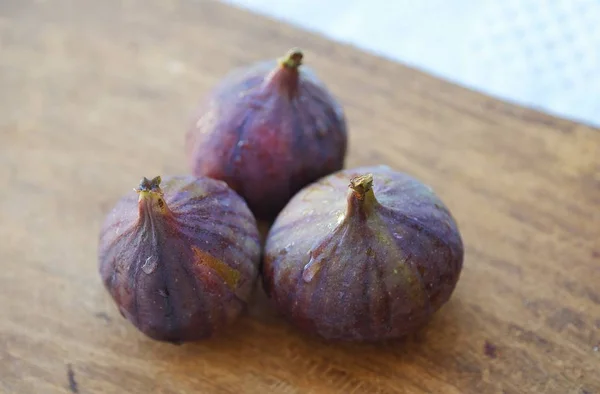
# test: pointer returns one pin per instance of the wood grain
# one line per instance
(96, 94)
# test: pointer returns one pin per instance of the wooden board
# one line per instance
(96, 94)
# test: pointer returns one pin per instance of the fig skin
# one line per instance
(368, 261)
(180, 263)
(275, 121)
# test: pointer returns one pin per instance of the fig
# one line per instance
(180, 263)
(268, 130)
(368, 261)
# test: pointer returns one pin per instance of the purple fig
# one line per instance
(368, 261)
(268, 130)
(180, 263)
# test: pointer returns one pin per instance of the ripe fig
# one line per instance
(271, 120)
(181, 263)
(365, 262)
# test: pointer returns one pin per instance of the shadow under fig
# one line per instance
(262, 333)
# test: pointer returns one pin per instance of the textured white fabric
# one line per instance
(543, 54)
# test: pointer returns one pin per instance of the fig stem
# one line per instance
(149, 185)
(293, 59)
(361, 199)
(361, 185)
(151, 196)
(285, 77)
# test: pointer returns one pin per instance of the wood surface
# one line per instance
(96, 94)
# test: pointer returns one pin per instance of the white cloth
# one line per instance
(543, 54)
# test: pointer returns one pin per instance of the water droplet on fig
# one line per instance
(311, 269)
(150, 265)
(242, 144)
(398, 236)
(163, 293)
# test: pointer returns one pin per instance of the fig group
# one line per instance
(359, 254)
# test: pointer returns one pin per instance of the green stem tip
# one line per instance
(293, 59)
(149, 185)
(362, 184)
